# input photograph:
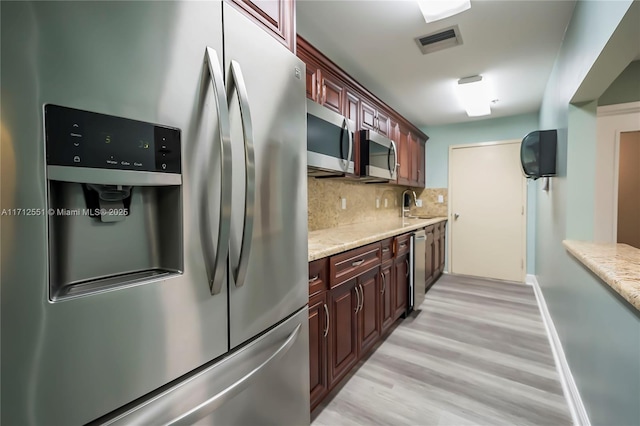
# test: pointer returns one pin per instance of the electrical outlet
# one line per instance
(441, 199)
(377, 203)
(343, 203)
(386, 202)
(418, 203)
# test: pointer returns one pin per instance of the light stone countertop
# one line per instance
(326, 242)
(616, 264)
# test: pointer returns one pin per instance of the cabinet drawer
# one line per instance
(387, 249)
(318, 276)
(402, 243)
(347, 265)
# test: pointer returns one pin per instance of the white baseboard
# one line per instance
(571, 393)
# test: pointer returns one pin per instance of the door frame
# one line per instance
(611, 121)
(523, 223)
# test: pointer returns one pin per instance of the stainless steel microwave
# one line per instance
(378, 157)
(329, 142)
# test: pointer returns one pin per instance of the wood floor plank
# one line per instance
(476, 353)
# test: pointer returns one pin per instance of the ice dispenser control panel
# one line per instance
(87, 139)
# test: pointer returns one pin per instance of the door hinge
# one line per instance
(521, 263)
(522, 212)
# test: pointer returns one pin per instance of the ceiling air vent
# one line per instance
(443, 39)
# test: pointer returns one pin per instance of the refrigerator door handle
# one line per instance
(216, 259)
(238, 84)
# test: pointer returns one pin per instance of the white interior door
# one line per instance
(487, 205)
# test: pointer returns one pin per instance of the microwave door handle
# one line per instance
(238, 84)
(395, 159)
(345, 125)
(215, 260)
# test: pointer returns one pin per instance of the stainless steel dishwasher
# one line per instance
(418, 258)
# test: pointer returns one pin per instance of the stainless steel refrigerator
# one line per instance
(154, 222)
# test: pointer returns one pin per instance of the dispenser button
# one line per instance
(76, 159)
(164, 166)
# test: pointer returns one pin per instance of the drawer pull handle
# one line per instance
(386, 249)
(312, 279)
(357, 262)
(403, 245)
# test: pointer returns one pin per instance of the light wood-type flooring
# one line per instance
(476, 353)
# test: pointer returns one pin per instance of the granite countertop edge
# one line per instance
(347, 237)
(618, 265)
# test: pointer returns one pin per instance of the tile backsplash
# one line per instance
(325, 202)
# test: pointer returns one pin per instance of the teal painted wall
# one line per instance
(599, 331)
(625, 88)
(496, 129)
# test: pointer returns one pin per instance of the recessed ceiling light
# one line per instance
(473, 93)
(434, 10)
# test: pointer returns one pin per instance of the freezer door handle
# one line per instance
(155, 412)
(238, 84)
(216, 259)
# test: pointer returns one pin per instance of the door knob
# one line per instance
(456, 216)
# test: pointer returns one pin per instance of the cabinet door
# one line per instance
(382, 121)
(312, 75)
(402, 285)
(318, 331)
(342, 330)
(368, 316)
(404, 156)
(277, 17)
(387, 289)
(429, 251)
(352, 106)
(421, 164)
(332, 92)
(367, 115)
(413, 149)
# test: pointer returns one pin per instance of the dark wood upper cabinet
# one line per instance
(413, 149)
(318, 333)
(404, 156)
(277, 17)
(421, 163)
(343, 331)
(332, 92)
(383, 124)
(330, 86)
(368, 116)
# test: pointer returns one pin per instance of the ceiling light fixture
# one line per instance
(474, 95)
(434, 10)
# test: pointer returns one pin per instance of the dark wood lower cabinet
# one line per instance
(401, 267)
(363, 300)
(430, 266)
(343, 331)
(368, 313)
(387, 299)
(318, 332)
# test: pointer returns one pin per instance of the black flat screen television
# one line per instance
(538, 153)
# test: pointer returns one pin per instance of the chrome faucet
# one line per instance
(405, 209)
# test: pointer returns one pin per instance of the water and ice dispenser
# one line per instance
(114, 201)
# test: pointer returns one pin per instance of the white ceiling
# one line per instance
(512, 44)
